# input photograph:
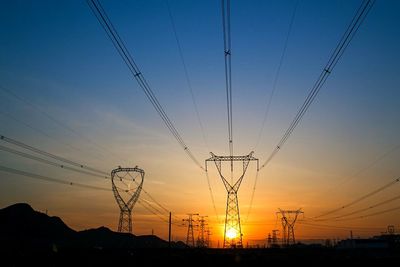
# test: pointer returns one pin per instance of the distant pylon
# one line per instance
(272, 240)
(208, 239)
(190, 235)
(201, 240)
(269, 240)
(288, 219)
(129, 182)
(275, 237)
(233, 230)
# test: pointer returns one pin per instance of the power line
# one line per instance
(36, 129)
(252, 196)
(47, 154)
(370, 194)
(212, 195)
(153, 207)
(364, 209)
(313, 225)
(149, 207)
(192, 95)
(352, 29)
(153, 210)
(156, 202)
(44, 153)
(149, 203)
(41, 177)
(189, 83)
(64, 182)
(119, 45)
(371, 214)
(365, 168)
(50, 179)
(158, 212)
(56, 121)
(278, 72)
(226, 26)
(45, 161)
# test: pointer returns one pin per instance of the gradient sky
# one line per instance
(55, 55)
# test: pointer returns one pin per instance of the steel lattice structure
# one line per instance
(201, 240)
(232, 231)
(288, 219)
(122, 175)
(190, 235)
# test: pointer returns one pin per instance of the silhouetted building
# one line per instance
(382, 241)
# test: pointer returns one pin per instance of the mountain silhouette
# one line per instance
(29, 237)
(23, 227)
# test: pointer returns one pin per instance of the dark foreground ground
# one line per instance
(196, 257)
(32, 238)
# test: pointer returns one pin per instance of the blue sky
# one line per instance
(56, 55)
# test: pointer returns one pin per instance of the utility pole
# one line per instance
(233, 231)
(125, 186)
(190, 236)
(169, 230)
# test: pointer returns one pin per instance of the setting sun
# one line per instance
(216, 131)
(231, 233)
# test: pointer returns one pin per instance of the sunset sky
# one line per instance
(56, 56)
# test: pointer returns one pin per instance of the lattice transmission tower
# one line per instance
(190, 235)
(127, 184)
(233, 230)
(208, 235)
(201, 239)
(275, 233)
(288, 219)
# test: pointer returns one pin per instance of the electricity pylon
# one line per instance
(269, 240)
(208, 240)
(125, 181)
(201, 240)
(232, 231)
(190, 236)
(275, 237)
(288, 219)
(272, 239)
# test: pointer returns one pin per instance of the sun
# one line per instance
(231, 233)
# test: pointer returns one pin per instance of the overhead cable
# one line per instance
(277, 74)
(48, 162)
(119, 45)
(352, 29)
(363, 209)
(185, 69)
(226, 26)
(57, 121)
(50, 155)
(370, 194)
(50, 179)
